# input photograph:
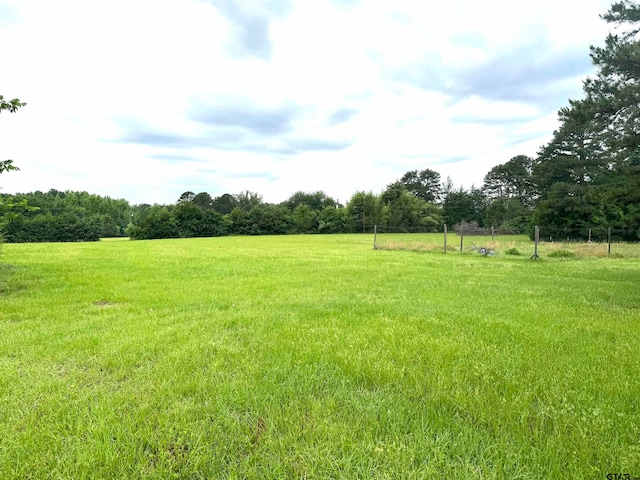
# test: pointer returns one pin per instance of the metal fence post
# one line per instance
(537, 239)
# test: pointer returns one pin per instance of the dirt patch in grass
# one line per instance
(104, 303)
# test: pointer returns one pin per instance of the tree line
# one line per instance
(57, 216)
(416, 202)
(586, 177)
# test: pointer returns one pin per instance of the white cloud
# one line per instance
(146, 99)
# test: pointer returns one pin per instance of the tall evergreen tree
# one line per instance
(590, 170)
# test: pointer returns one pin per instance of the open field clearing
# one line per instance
(315, 357)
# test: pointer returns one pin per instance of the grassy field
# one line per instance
(315, 357)
(503, 245)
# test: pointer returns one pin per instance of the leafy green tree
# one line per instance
(271, 219)
(461, 205)
(510, 194)
(203, 200)
(364, 211)
(160, 223)
(509, 214)
(224, 204)
(50, 228)
(261, 220)
(139, 213)
(410, 212)
(10, 105)
(188, 218)
(315, 200)
(247, 200)
(186, 197)
(192, 220)
(334, 220)
(393, 192)
(214, 225)
(91, 213)
(7, 165)
(424, 184)
(305, 219)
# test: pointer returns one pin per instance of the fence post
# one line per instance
(461, 236)
(537, 239)
(445, 238)
(589, 236)
(609, 240)
(375, 236)
(492, 234)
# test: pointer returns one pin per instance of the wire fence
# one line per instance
(588, 242)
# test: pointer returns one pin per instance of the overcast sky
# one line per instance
(146, 99)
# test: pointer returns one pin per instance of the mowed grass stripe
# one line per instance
(316, 357)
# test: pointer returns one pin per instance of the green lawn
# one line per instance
(315, 357)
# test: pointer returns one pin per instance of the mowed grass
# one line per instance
(314, 357)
